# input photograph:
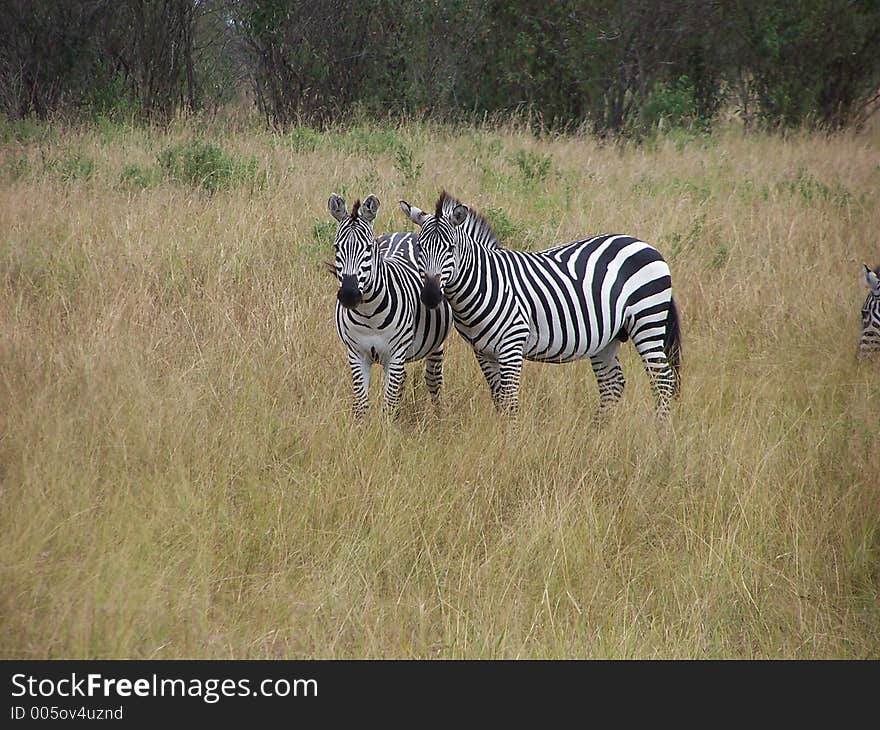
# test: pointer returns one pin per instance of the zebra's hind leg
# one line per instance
(434, 374)
(660, 373)
(609, 376)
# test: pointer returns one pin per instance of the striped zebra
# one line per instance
(870, 340)
(379, 317)
(576, 300)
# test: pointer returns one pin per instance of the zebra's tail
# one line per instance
(672, 344)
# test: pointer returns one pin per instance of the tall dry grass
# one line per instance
(181, 476)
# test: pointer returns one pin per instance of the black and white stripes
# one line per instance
(869, 342)
(378, 313)
(580, 299)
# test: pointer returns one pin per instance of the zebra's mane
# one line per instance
(477, 227)
(355, 210)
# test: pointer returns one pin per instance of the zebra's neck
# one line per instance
(474, 263)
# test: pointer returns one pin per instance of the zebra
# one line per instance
(576, 300)
(379, 317)
(869, 342)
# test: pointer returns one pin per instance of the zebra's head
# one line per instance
(870, 339)
(438, 239)
(354, 247)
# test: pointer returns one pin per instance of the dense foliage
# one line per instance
(614, 66)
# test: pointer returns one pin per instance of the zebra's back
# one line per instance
(580, 295)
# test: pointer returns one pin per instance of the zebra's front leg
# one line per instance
(510, 369)
(492, 373)
(609, 376)
(434, 374)
(360, 382)
(395, 376)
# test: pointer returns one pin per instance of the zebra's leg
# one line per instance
(609, 376)
(434, 374)
(492, 373)
(360, 382)
(395, 375)
(649, 343)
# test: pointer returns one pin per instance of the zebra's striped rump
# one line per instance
(869, 342)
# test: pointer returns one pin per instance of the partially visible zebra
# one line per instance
(870, 340)
(401, 245)
(379, 317)
(579, 299)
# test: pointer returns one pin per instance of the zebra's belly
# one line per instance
(576, 345)
(552, 357)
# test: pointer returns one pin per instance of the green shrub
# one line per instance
(810, 189)
(206, 165)
(405, 164)
(369, 139)
(15, 167)
(304, 139)
(533, 167)
(22, 131)
(77, 167)
(505, 228)
(321, 245)
(324, 232)
(678, 243)
(720, 257)
(136, 177)
(671, 105)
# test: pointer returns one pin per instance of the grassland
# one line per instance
(180, 475)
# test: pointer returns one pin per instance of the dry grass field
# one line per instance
(180, 475)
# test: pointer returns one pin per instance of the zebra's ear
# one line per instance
(369, 208)
(336, 204)
(459, 214)
(414, 214)
(872, 279)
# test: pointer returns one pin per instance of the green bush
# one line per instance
(671, 106)
(532, 166)
(15, 167)
(321, 245)
(324, 233)
(809, 189)
(304, 139)
(23, 131)
(405, 164)
(206, 165)
(505, 228)
(136, 177)
(369, 139)
(77, 167)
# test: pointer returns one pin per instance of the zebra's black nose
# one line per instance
(432, 295)
(349, 295)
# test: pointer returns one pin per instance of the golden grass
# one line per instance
(181, 476)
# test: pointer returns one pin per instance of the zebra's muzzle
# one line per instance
(432, 294)
(349, 295)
